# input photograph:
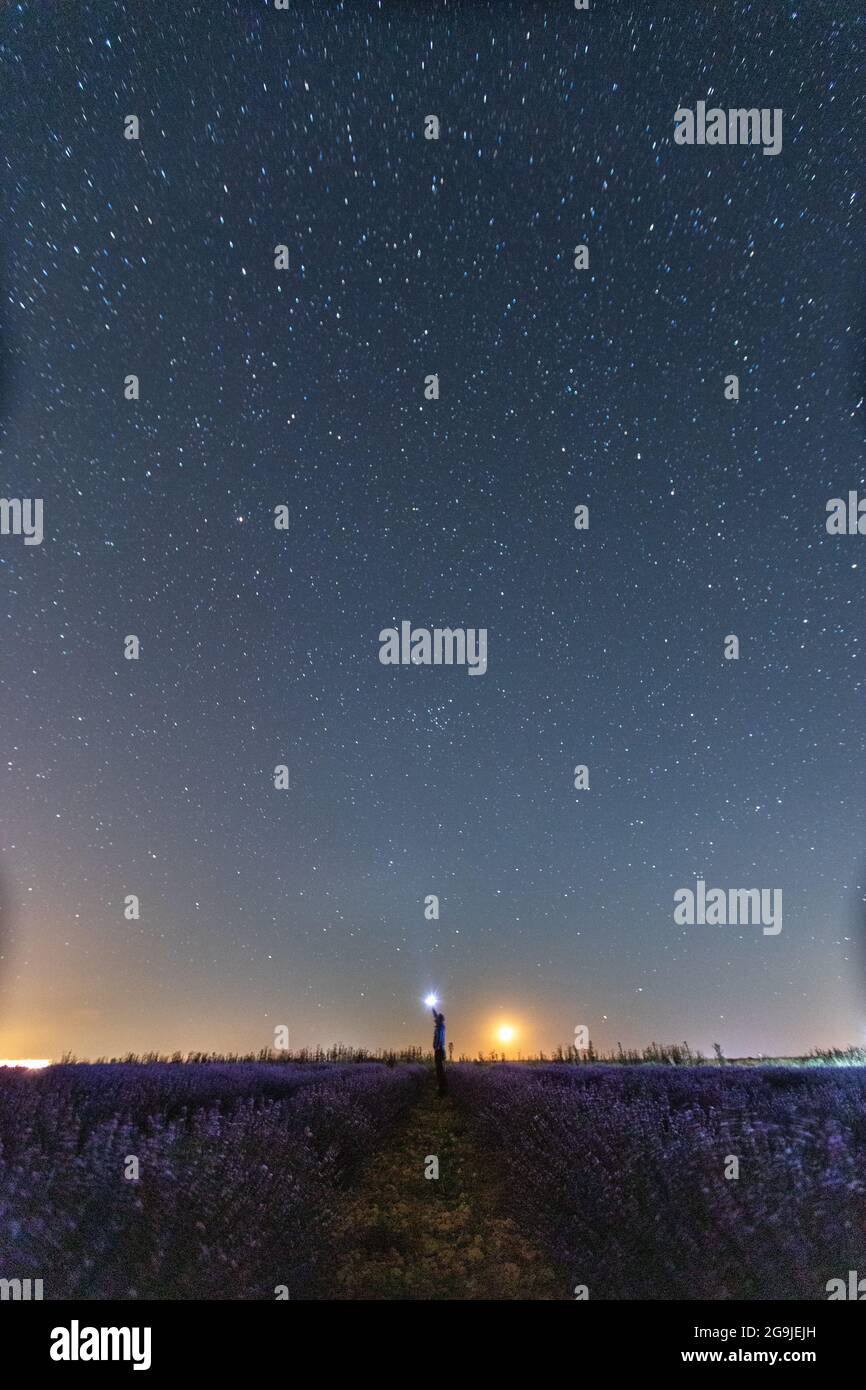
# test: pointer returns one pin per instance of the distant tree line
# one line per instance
(658, 1054)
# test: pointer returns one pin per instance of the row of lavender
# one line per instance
(625, 1175)
(185, 1182)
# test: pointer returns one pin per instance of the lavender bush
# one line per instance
(619, 1173)
(240, 1169)
(54, 1098)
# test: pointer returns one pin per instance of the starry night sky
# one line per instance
(305, 387)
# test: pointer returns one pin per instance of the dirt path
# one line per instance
(404, 1236)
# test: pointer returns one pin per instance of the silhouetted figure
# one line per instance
(439, 1051)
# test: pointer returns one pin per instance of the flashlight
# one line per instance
(431, 1001)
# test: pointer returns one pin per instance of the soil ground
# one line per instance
(404, 1236)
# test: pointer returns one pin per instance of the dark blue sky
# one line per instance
(305, 387)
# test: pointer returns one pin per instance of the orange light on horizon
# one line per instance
(505, 1033)
(29, 1063)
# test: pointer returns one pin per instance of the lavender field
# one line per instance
(253, 1178)
(620, 1174)
(240, 1167)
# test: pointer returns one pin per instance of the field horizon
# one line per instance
(662, 1054)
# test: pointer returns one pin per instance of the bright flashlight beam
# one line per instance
(431, 1001)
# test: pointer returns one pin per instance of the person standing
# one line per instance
(439, 1051)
